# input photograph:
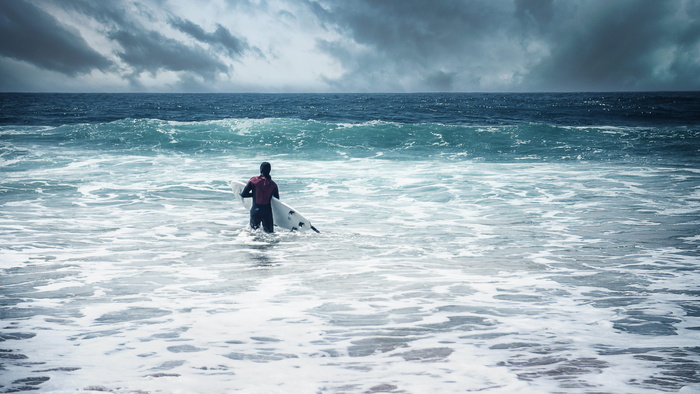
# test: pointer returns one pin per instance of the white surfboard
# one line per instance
(283, 215)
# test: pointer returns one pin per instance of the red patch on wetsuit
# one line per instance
(264, 188)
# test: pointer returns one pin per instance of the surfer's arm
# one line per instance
(276, 193)
(247, 191)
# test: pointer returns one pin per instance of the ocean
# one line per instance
(494, 243)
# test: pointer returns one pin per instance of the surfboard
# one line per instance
(283, 215)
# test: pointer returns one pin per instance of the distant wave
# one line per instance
(657, 109)
(389, 140)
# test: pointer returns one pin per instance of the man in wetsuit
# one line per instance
(261, 188)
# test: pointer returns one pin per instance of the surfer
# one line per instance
(261, 188)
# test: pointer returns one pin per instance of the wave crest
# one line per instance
(311, 139)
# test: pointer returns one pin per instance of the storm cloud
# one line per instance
(221, 37)
(429, 45)
(31, 35)
(350, 46)
(520, 45)
(625, 45)
(151, 51)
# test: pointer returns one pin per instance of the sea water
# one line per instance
(496, 243)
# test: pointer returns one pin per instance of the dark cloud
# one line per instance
(360, 45)
(684, 66)
(29, 34)
(415, 28)
(527, 44)
(441, 80)
(150, 51)
(221, 37)
(622, 45)
(534, 13)
(147, 50)
(432, 44)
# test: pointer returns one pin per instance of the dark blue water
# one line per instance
(560, 109)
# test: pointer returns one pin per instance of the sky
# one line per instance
(293, 46)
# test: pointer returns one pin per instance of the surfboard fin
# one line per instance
(302, 224)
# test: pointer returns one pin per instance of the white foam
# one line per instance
(451, 276)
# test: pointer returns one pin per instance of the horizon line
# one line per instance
(387, 93)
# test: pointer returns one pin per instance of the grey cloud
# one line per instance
(221, 37)
(151, 51)
(685, 65)
(526, 44)
(536, 13)
(110, 14)
(432, 44)
(29, 34)
(441, 80)
(621, 46)
(387, 45)
(147, 50)
(415, 28)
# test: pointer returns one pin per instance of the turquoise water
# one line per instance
(494, 243)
